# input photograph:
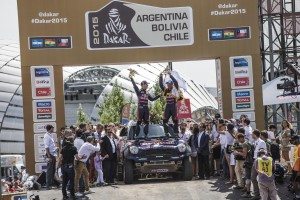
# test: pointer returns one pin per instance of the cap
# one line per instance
(144, 82)
(49, 126)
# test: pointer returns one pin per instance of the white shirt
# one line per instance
(248, 133)
(78, 142)
(113, 144)
(259, 144)
(97, 135)
(223, 141)
(199, 139)
(229, 139)
(215, 135)
(184, 136)
(271, 135)
(50, 143)
(87, 149)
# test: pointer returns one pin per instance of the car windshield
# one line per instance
(155, 131)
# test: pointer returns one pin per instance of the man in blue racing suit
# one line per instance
(143, 109)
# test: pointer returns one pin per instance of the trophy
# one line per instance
(132, 72)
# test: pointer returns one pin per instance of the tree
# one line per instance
(81, 116)
(110, 110)
(157, 108)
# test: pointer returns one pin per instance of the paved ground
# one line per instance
(164, 189)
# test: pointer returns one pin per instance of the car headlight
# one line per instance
(181, 147)
(134, 149)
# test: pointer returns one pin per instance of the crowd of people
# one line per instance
(229, 149)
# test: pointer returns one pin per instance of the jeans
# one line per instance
(224, 164)
(80, 169)
(254, 181)
(239, 170)
(50, 172)
(68, 173)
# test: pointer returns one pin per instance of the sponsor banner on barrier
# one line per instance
(232, 33)
(42, 82)
(242, 100)
(44, 110)
(49, 42)
(122, 24)
(241, 72)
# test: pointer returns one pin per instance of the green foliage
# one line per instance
(81, 116)
(157, 108)
(133, 110)
(110, 110)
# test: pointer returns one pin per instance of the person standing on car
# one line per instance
(143, 108)
(172, 94)
(51, 153)
(202, 146)
(109, 150)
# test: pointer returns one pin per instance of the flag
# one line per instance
(181, 82)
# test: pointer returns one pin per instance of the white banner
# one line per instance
(122, 24)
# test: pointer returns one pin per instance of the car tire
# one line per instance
(187, 173)
(128, 172)
(120, 172)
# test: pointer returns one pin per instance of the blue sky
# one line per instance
(202, 72)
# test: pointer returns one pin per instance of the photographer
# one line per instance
(240, 154)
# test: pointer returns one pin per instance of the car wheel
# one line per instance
(128, 172)
(187, 169)
(120, 171)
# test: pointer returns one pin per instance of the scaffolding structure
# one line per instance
(280, 46)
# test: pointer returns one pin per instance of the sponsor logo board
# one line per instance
(43, 111)
(43, 92)
(244, 81)
(232, 33)
(241, 72)
(50, 42)
(242, 100)
(41, 127)
(249, 115)
(39, 147)
(122, 24)
(42, 82)
(40, 167)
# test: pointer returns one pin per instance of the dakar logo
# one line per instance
(115, 29)
(183, 109)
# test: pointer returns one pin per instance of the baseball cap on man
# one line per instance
(144, 82)
(48, 127)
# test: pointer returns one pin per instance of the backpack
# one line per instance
(275, 151)
(250, 154)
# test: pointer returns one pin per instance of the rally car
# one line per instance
(159, 153)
